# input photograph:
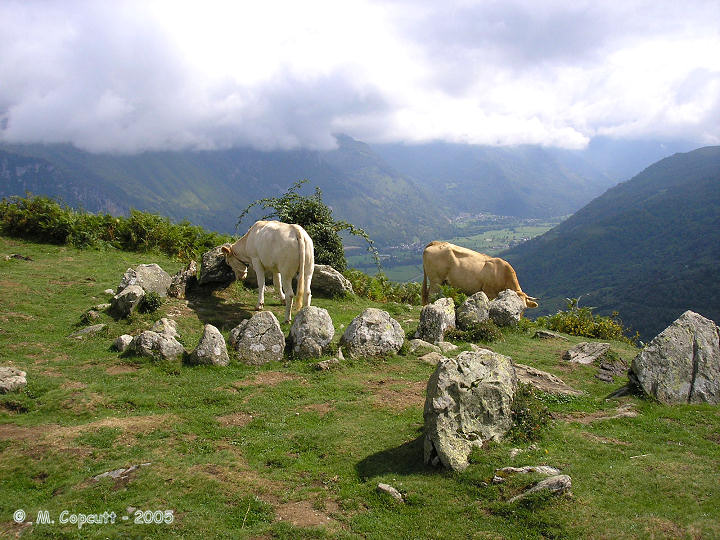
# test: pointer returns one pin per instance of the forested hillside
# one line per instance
(648, 248)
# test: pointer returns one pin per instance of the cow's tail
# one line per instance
(307, 260)
(424, 288)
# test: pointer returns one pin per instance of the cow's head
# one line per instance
(530, 302)
(239, 267)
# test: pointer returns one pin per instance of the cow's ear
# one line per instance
(226, 250)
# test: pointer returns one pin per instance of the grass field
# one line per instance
(284, 451)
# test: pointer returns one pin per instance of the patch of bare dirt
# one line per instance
(664, 528)
(79, 402)
(304, 514)
(268, 378)
(624, 411)
(397, 394)
(10, 529)
(73, 385)
(321, 408)
(121, 369)
(237, 419)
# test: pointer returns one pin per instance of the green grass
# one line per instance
(247, 451)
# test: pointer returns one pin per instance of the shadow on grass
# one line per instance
(212, 309)
(405, 459)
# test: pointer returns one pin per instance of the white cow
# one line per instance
(285, 250)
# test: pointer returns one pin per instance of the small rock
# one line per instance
(585, 353)
(328, 282)
(436, 319)
(542, 380)
(327, 365)
(109, 292)
(88, 331)
(101, 307)
(183, 281)
(166, 326)
(446, 346)
(211, 350)
(259, 339)
(432, 358)
(389, 490)
(547, 334)
(555, 484)
(11, 379)
(311, 332)
(373, 333)
(507, 308)
(122, 343)
(157, 346)
(150, 277)
(474, 310)
(538, 469)
(420, 346)
(125, 301)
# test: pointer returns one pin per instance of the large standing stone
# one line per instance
(157, 346)
(11, 379)
(372, 333)
(472, 311)
(328, 282)
(150, 277)
(183, 281)
(259, 339)
(211, 350)
(311, 332)
(468, 402)
(682, 363)
(125, 301)
(586, 353)
(435, 320)
(507, 308)
(214, 270)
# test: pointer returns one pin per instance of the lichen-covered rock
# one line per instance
(311, 332)
(435, 320)
(556, 485)
(11, 379)
(373, 333)
(150, 277)
(157, 346)
(542, 380)
(475, 309)
(183, 281)
(166, 326)
(507, 308)
(468, 402)
(420, 347)
(122, 343)
(88, 331)
(328, 282)
(682, 363)
(211, 350)
(214, 270)
(259, 339)
(126, 300)
(586, 352)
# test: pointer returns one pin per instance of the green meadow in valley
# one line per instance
(286, 451)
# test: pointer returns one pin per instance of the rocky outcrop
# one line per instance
(183, 281)
(11, 379)
(150, 277)
(682, 363)
(474, 310)
(259, 339)
(126, 301)
(507, 308)
(586, 353)
(157, 346)
(214, 271)
(556, 485)
(211, 350)
(468, 402)
(373, 333)
(311, 332)
(436, 319)
(542, 380)
(329, 283)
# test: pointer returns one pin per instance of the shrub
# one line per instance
(530, 415)
(316, 218)
(380, 289)
(149, 303)
(485, 332)
(581, 321)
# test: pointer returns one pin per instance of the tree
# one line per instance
(316, 218)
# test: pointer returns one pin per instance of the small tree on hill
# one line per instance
(311, 213)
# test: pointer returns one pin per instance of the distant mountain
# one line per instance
(212, 188)
(648, 248)
(524, 181)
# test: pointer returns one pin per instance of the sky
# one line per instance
(129, 76)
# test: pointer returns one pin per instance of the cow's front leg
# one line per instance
(277, 282)
(260, 274)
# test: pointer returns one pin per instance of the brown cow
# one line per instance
(468, 271)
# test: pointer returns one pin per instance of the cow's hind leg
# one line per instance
(260, 273)
(289, 295)
(278, 283)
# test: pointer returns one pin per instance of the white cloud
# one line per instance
(130, 76)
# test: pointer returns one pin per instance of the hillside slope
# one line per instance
(648, 248)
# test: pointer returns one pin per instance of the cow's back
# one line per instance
(275, 244)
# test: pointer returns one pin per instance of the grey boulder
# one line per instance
(328, 282)
(682, 363)
(211, 350)
(150, 277)
(11, 379)
(468, 402)
(507, 308)
(259, 339)
(183, 281)
(311, 332)
(126, 300)
(214, 270)
(436, 319)
(157, 346)
(556, 485)
(586, 353)
(373, 333)
(472, 311)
